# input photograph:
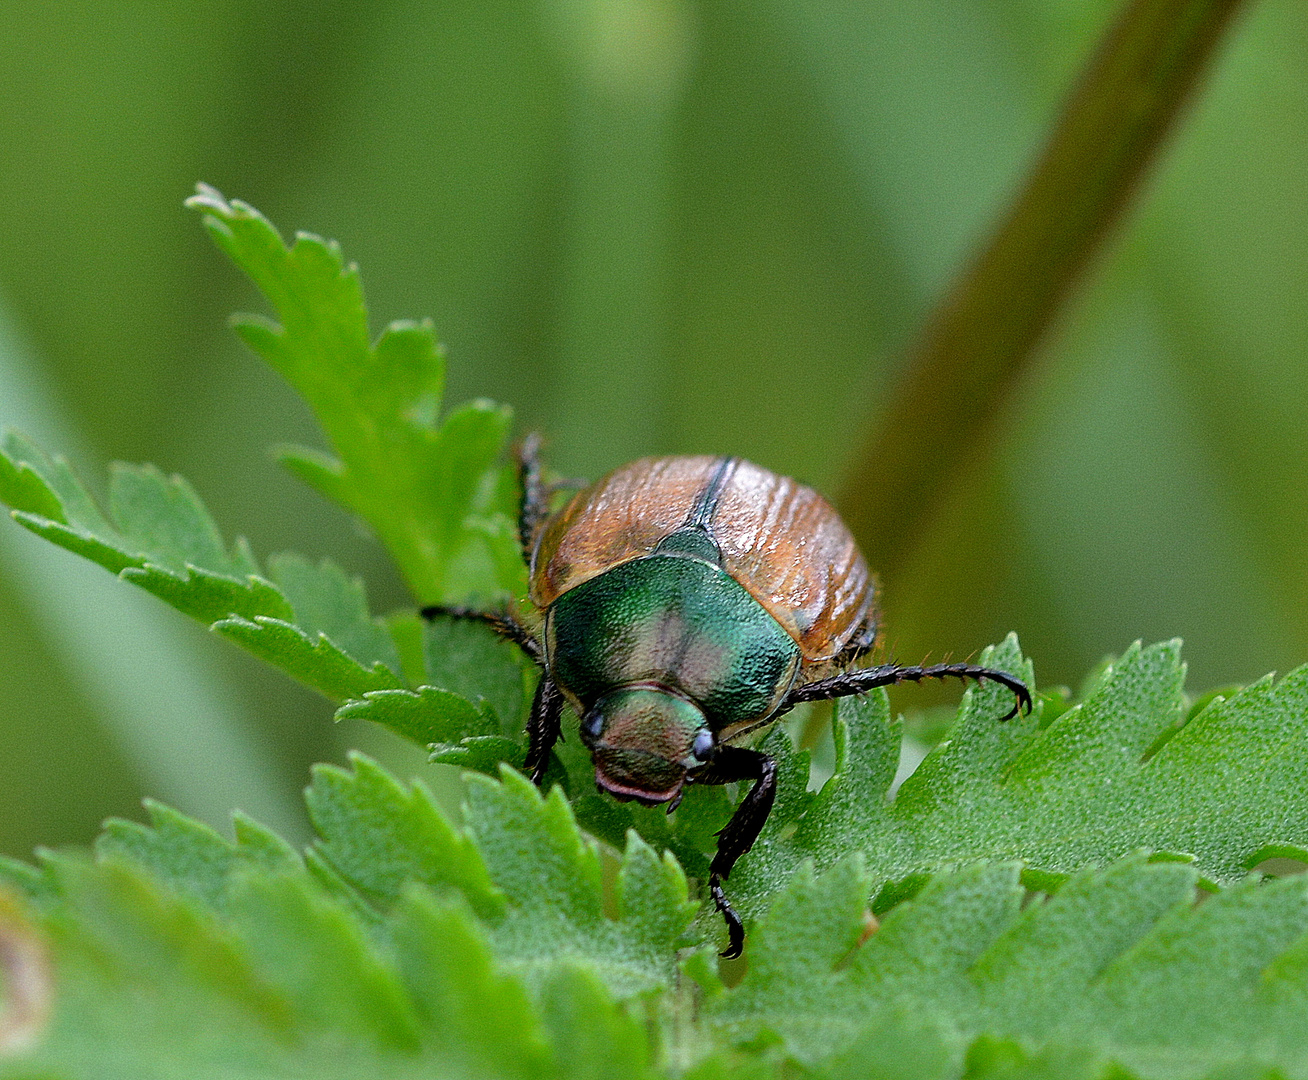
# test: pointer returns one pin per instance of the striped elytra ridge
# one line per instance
(779, 540)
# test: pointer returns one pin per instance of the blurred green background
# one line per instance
(650, 226)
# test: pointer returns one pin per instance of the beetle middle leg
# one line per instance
(861, 680)
(728, 764)
(501, 622)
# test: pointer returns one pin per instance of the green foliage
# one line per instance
(1121, 770)
(300, 617)
(311, 621)
(429, 488)
(476, 719)
(1119, 965)
(401, 944)
(519, 942)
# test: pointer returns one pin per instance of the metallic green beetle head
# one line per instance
(644, 741)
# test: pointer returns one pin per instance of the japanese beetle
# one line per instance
(687, 602)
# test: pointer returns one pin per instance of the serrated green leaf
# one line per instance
(57, 485)
(431, 489)
(597, 1039)
(413, 948)
(260, 846)
(406, 630)
(189, 856)
(550, 875)
(22, 487)
(316, 955)
(320, 471)
(651, 894)
(208, 596)
(427, 487)
(309, 620)
(426, 715)
(148, 987)
(315, 661)
(1082, 791)
(329, 602)
(903, 1044)
(21, 877)
(182, 954)
(690, 833)
(468, 658)
(1120, 966)
(462, 662)
(160, 532)
(116, 931)
(1007, 1059)
(481, 753)
(164, 516)
(468, 1009)
(380, 835)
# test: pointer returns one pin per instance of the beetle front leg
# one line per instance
(731, 763)
(544, 722)
(543, 727)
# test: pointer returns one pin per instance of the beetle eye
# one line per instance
(592, 725)
(702, 746)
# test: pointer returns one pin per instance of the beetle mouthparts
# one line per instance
(626, 792)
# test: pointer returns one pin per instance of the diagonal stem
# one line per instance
(944, 414)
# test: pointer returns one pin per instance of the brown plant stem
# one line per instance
(944, 413)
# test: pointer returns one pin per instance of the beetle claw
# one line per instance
(1022, 698)
(735, 928)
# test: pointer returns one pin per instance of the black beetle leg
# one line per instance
(861, 680)
(535, 507)
(728, 764)
(502, 623)
(543, 727)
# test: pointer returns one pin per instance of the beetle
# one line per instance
(686, 603)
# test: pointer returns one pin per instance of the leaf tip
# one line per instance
(514, 779)
(365, 766)
(207, 197)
